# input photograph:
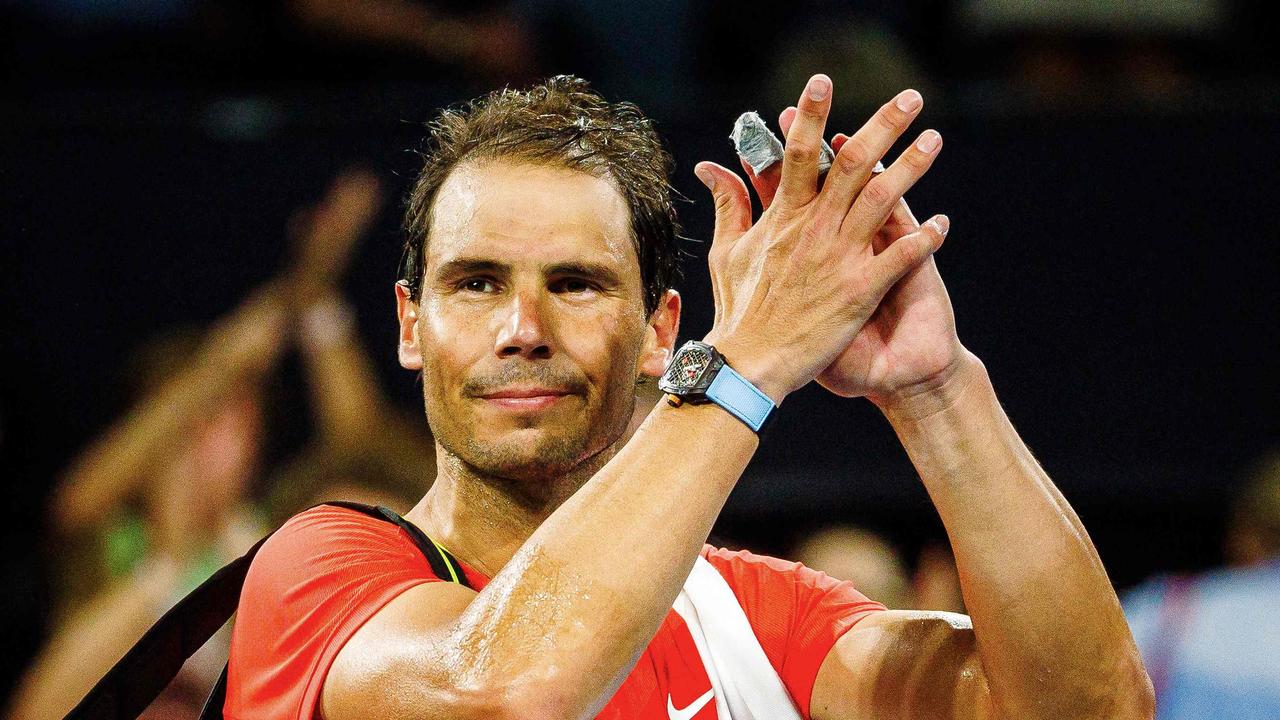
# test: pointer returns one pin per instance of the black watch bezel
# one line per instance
(677, 380)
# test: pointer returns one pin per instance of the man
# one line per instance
(538, 292)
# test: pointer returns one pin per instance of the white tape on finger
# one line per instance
(756, 143)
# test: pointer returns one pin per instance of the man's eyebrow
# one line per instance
(468, 266)
(600, 272)
(596, 271)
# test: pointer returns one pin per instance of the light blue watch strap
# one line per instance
(743, 400)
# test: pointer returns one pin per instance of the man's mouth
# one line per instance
(524, 399)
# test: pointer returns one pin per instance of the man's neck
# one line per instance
(483, 520)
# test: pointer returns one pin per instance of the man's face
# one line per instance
(531, 328)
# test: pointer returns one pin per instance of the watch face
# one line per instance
(688, 367)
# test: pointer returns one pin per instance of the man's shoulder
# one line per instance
(743, 567)
(770, 587)
(313, 583)
(724, 556)
(326, 519)
(328, 540)
(796, 612)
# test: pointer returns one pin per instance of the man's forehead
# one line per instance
(521, 212)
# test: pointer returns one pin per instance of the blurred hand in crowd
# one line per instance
(325, 235)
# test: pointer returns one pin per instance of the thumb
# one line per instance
(909, 251)
(733, 204)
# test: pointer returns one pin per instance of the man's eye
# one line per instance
(574, 285)
(479, 285)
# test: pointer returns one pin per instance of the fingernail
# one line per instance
(929, 141)
(705, 176)
(819, 87)
(941, 223)
(909, 101)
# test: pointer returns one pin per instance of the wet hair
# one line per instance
(559, 122)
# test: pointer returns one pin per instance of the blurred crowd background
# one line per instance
(201, 202)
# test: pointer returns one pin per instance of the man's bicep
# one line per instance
(402, 660)
(903, 664)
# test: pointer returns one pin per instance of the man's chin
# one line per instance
(526, 454)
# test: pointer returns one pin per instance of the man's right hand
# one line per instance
(793, 289)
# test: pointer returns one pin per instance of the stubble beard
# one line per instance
(556, 452)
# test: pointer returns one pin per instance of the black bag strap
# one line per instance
(443, 564)
(153, 662)
(212, 709)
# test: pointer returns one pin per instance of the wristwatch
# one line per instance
(698, 374)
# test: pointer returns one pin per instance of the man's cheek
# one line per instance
(442, 328)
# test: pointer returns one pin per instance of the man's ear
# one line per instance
(660, 338)
(408, 350)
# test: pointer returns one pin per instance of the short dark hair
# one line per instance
(560, 122)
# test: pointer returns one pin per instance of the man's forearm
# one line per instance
(1051, 635)
(562, 624)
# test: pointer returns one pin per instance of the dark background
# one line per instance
(1113, 254)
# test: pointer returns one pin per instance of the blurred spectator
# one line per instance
(936, 581)
(877, 569)
(861, 557)
(385, 475)
(365, 448)
(1211, 642)
(865, 57)
(199, 416)
(1087, 54)
(156, 505)
(166, 496)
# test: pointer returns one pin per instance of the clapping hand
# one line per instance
(910, 342)
(795, 290)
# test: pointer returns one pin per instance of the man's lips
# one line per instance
(533, 398)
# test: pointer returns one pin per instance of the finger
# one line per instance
(765, 183)
(785, 119)
(901, 220)
(839, 139)
(902, 215)
(907, 252)
(859, 154)
(882, 193)
(799, 181)
(733, 204)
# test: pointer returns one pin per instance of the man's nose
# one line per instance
(524, 330)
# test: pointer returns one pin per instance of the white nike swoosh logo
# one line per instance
(692, 709)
